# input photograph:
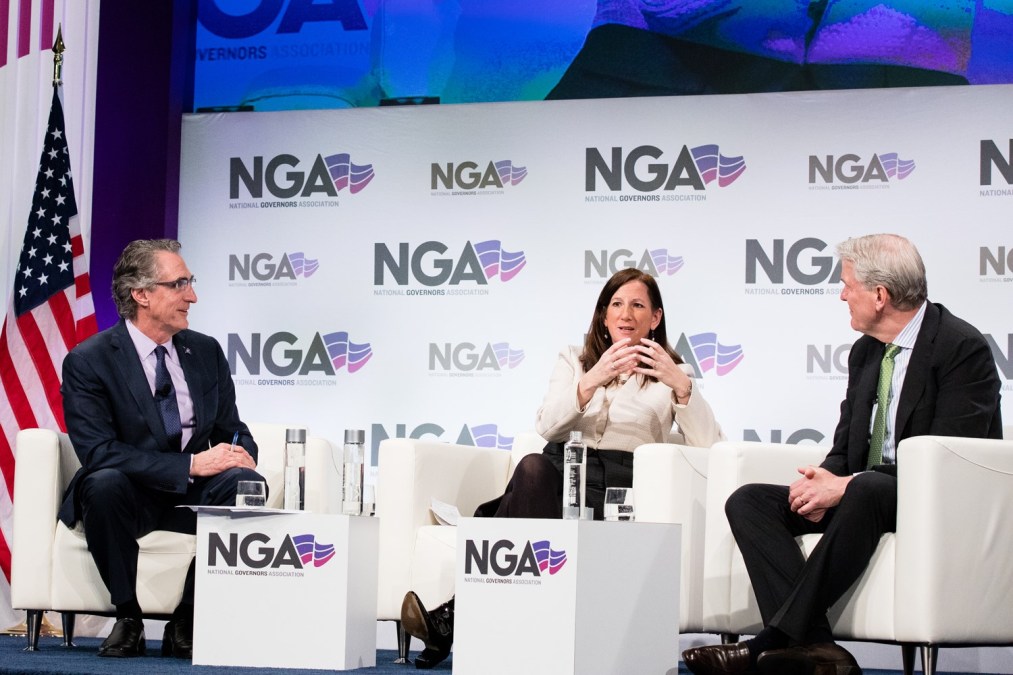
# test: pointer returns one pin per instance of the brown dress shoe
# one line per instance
(719, 660)
(824, 658)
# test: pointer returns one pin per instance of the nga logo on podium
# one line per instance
(498, 563)
(256, 555)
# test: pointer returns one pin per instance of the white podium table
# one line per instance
(566, 596)
(285, 589)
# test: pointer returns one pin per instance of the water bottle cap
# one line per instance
(576, 436)
(295, 435)
(355, 436)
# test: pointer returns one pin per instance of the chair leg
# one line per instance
(67, 618)
(729, 638)
(907, 655)
(929, 655)
(34, 627)
(404, 641)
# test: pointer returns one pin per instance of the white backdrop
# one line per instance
(744, 258)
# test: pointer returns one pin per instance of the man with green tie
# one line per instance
(917, 370)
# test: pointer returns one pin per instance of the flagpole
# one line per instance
(58, 49)
(47, 629)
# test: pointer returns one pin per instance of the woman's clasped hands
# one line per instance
(646, 357)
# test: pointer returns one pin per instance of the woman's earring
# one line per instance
(652, 334)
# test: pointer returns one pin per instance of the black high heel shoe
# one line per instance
(435, 628)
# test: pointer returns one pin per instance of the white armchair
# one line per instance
(670, 486)
(415, 553)
(954, 500)
(51, 568)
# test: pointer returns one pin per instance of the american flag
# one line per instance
(50, 312)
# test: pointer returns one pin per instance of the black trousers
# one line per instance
(536, 488)
(116, 511)
(794, 593)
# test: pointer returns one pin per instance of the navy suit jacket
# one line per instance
(113, 422)
(951, 389)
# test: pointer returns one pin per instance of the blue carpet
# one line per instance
(53, 658)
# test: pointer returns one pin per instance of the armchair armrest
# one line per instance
(38, 486)
(670, 486)
(728, 602)
(412, 472)
(270, 440)
(955, 497)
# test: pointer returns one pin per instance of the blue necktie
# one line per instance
(165, 399)
(882, 406)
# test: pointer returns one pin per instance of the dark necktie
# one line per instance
(882, 406)
(165, 399)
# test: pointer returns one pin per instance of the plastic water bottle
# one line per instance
(352, 475)
(574, 476)
(295, 469)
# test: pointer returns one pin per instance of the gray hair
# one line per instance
(137, 268)
(891, 261)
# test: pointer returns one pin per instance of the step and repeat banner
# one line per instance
(415, 271)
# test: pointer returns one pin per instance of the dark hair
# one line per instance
(598, 339)
(137, 268)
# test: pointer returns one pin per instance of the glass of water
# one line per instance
(251, 494)
(619, 504)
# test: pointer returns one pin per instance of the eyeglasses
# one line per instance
(180, 284)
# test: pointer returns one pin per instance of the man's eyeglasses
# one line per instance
(180, 284)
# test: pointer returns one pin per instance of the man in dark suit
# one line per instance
(151, 410)
(918, 370)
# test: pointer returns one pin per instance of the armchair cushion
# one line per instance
(954, 499)
(411, 473)
(51, 567)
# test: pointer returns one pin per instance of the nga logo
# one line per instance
(283, 178)
(704, 353)
(468, 177)
(656, 262)
(283, 354)
(468, 359)
(500, 564)
(255, 554)
(991, 157)
(428, 265)
(850, 172)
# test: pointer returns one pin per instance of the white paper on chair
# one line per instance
(445, 514)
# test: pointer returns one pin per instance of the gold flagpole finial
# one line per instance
(58, 49)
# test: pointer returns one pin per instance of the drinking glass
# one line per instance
(251, 493)
(619, 504)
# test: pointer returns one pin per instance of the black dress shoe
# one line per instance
(177, 640)
(719, 659)
(825, 658)
(125, 639)
(435, 629)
